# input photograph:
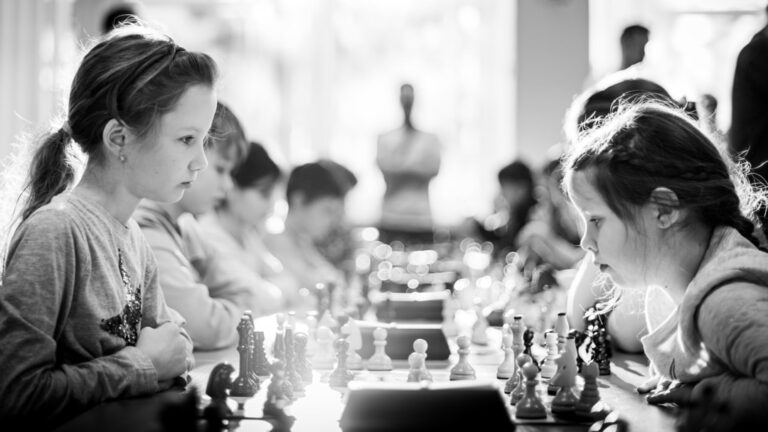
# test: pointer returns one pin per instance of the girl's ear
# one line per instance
(665, 207)
(114, 137)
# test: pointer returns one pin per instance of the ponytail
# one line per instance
(50, 171)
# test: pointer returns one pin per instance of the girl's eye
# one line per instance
(188, 140)
(595, 222)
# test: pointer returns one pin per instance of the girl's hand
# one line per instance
(652, 384)
(674, 393)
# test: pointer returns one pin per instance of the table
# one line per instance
(321, 407)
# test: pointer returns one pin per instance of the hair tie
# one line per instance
(66, 129)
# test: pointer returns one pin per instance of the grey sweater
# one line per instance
(77, 289)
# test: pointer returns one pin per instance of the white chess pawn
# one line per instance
(379, 361)
(417, 367)
(519, 391)
(420, 346)
(354, 361)
(450, 328)
(327, 320)
(517, 327)
(463, 370)
(479, 334)
(507, 366)
(291, 321)
(549, 367)
(325, 358)
(311, 336)
(509, 319)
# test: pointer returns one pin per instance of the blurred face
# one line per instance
(211, 186)
(514, 193)
(252, 205)
(165, 163)
(319, 217)
(617, 248)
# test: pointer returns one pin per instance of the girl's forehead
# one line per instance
(582, 190)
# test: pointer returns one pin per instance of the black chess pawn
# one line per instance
(303, 366)
(528, 335)
(261, 365)
(340, 376)
(291, 375)
(277, 399)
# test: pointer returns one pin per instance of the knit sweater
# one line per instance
(206, 288)
(718, 334)
(77, 289)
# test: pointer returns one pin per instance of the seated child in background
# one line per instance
(662, 207)
(82, 316)
(517, 201)
(208, 290)
(551, 237)
(338, 246)
(236, 227)
(315, 197)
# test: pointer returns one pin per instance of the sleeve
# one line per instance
(733, 323)
(210, 320)
(36, 297)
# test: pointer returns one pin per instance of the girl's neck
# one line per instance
(294, 226)
(107, 192)
(680, 259)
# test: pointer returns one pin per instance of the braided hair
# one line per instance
(648, 144)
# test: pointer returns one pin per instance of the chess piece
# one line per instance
(509, 319)
(528, 335)
(584, 347)
(327, 320)
(325, 357)
(450, 328)
(417, 368)
(341, 376)
(565, 378)
(530, 405)
(590, 395)
(517, 328)
(290, 322)
(219, 383)
(277, 399)
(561, 328)
(291, 374)
(507, 366)
(243, 387)
(479, 335)
(519, 391)
(601, 346)
(548, 367)
(303, 366)
(463, 370)
(278, 349)
(355, 338)
(311, 336)
(261, 366)
(379, 361)
(420, 346)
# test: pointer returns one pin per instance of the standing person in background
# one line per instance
(748, 135)
(208, 290)
(633, 40)
(236, 227)
(408, 159)
(82, 316)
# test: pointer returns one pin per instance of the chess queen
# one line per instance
(665, 209)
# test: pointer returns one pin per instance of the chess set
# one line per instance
(537, 385)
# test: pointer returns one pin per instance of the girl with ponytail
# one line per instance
(664, 208)
(82, 316)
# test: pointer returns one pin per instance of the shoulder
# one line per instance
(52, 221)
(734, 307)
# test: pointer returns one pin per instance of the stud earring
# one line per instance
(122, 158)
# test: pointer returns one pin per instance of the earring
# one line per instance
(121, 157)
